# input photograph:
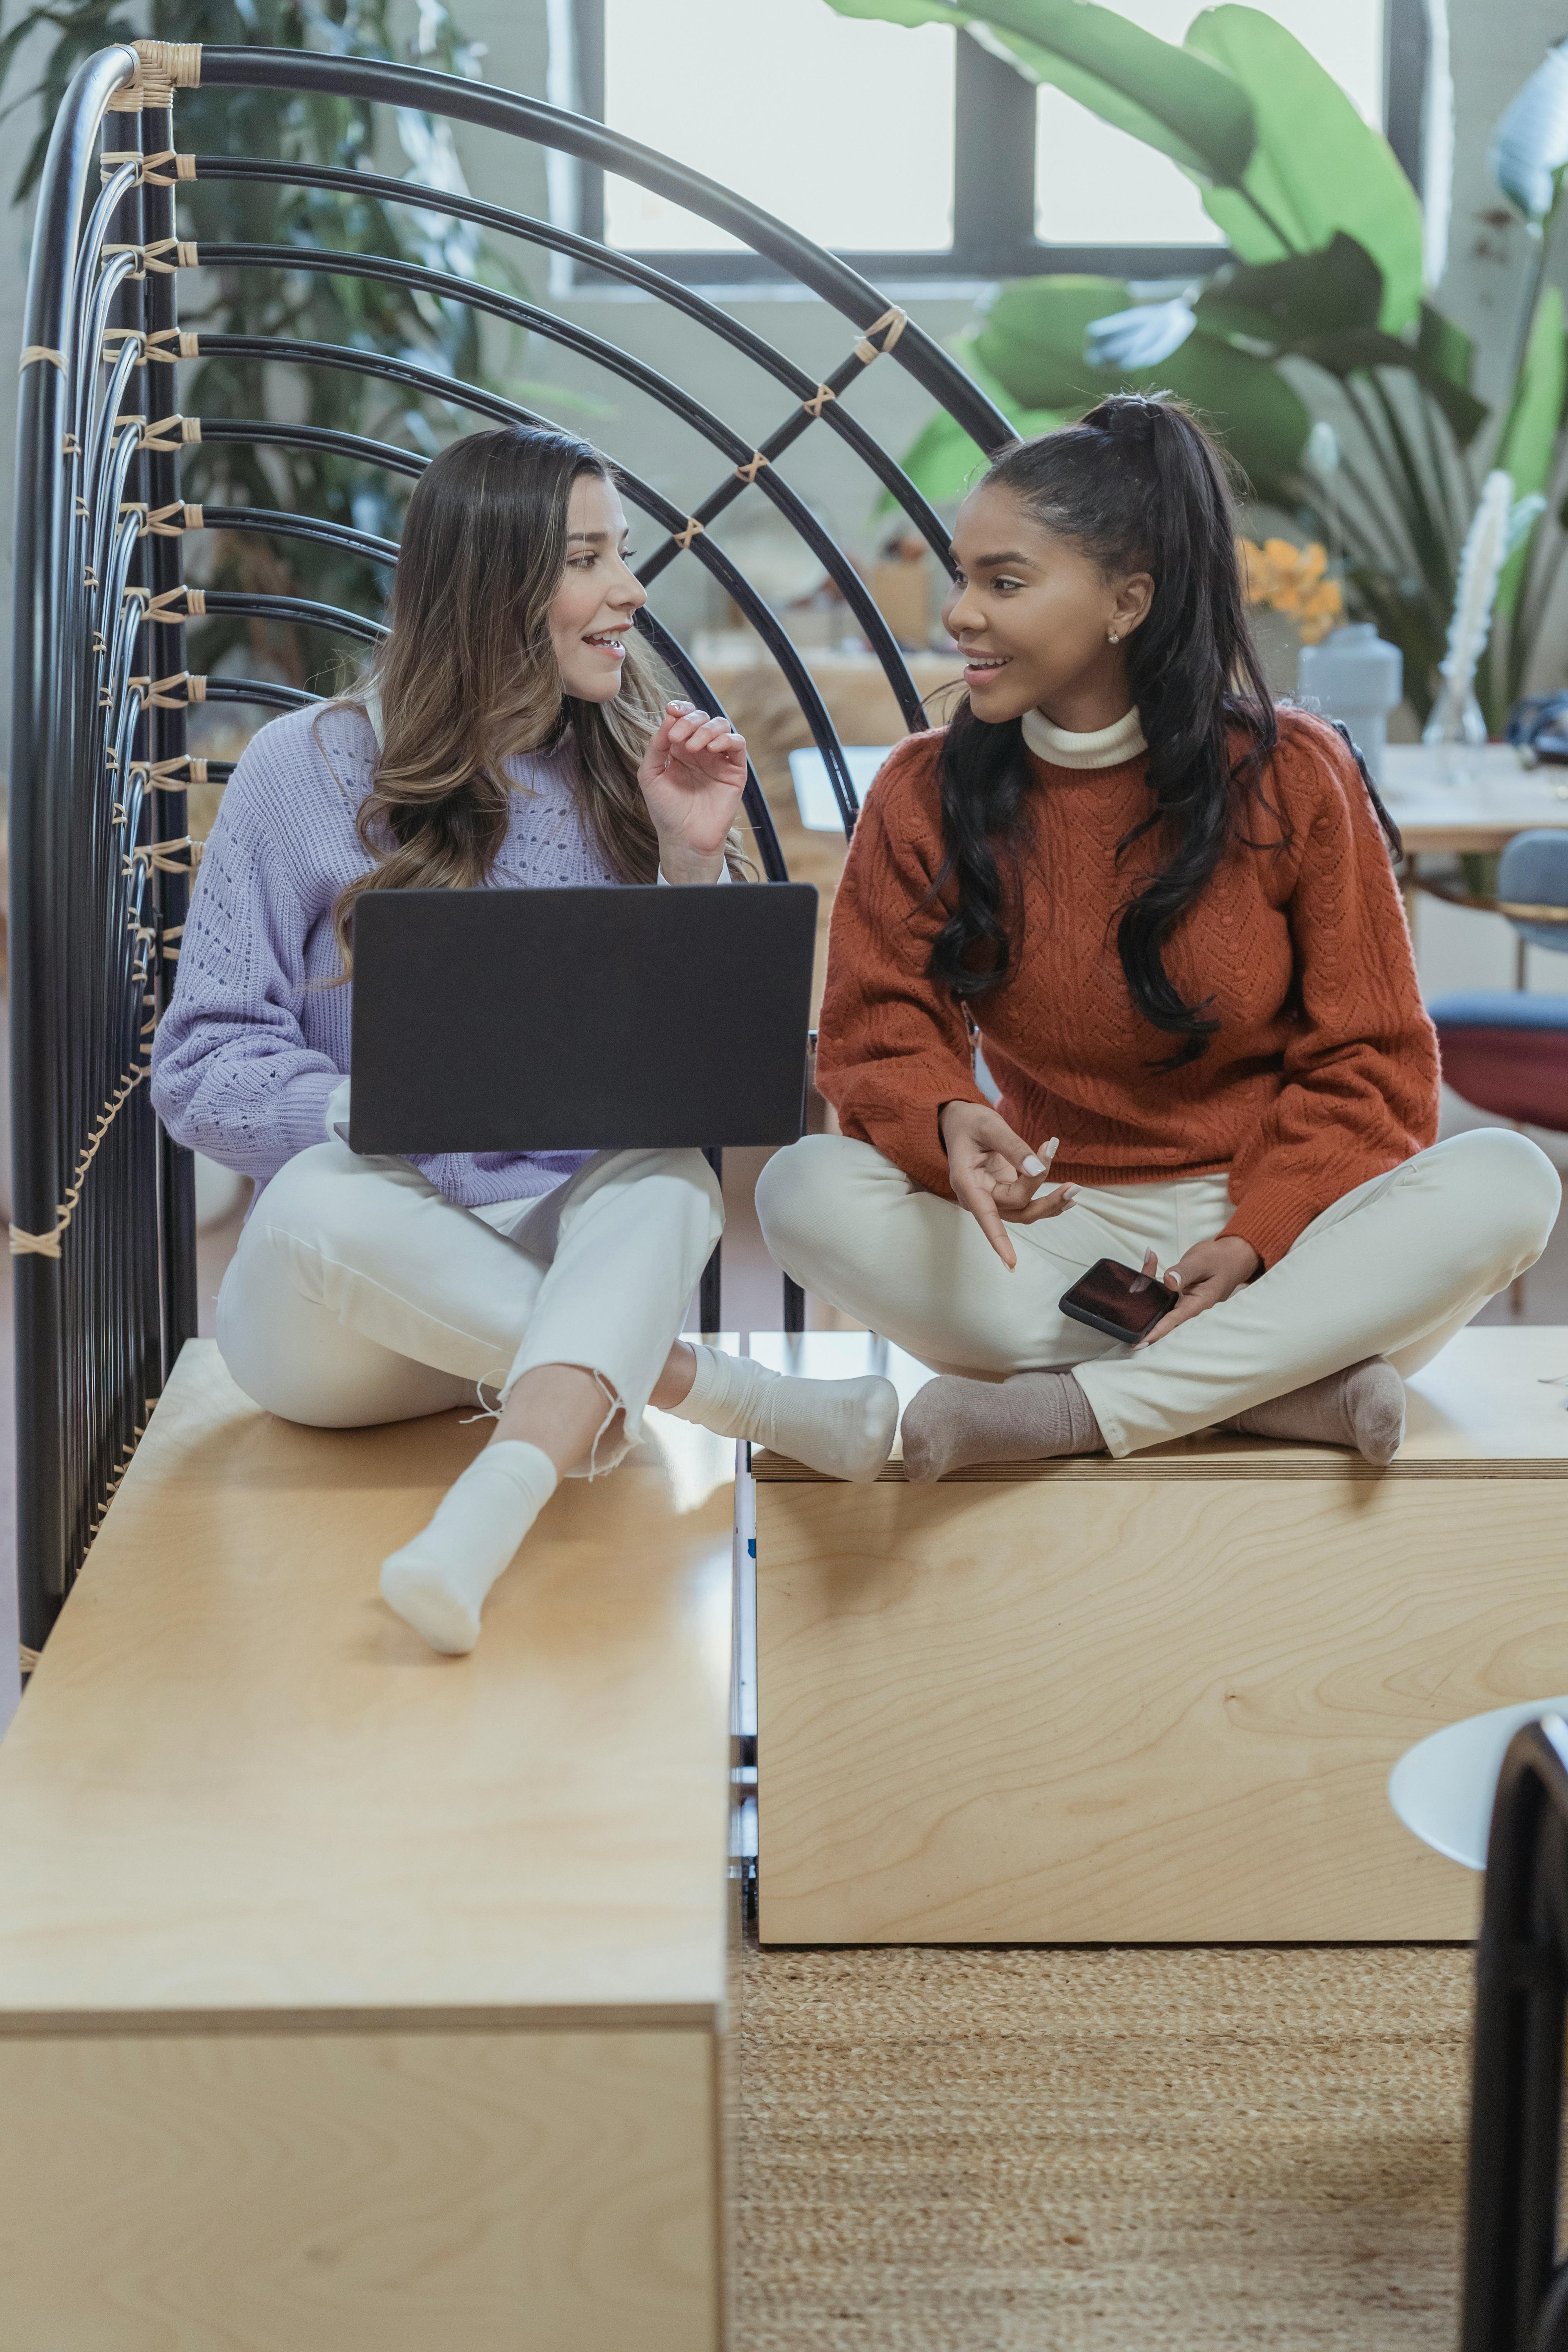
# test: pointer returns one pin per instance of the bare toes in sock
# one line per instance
(1361, 1408)
(952, 1423)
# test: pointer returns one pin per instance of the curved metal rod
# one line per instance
(678, 662)
(670, 290)
(228, 67)
(642, 494)
(44, 716)
(363, 543)
(324, 437)
(267, 690)
(301, 609)
(1521, 1980)
(631, 370)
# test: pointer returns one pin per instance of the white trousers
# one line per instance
(358, 1294)
(1393, 1269)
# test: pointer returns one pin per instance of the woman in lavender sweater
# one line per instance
(509, 734)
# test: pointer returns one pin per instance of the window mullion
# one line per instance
(994, 162)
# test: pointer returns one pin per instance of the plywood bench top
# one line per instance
(238, 1788)
(1492, 1404)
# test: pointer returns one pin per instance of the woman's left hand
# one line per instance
(692, 778)
(1208, 1273)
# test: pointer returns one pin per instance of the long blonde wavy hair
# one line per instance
(467, 678)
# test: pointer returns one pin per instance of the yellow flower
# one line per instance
(1290, 579)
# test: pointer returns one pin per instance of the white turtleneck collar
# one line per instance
(1106, 747)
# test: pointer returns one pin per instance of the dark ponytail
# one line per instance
(1137, 486)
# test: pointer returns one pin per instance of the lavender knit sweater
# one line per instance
(253, 1042)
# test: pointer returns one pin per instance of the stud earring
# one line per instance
(1113, 636)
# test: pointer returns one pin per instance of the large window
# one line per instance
(917, 153)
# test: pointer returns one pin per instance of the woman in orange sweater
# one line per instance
(1169, 911)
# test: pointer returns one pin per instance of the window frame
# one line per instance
(993, 172)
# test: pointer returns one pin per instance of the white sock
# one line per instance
(438, 1584)
(844, 1428)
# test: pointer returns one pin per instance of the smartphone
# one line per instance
(1117, 1301)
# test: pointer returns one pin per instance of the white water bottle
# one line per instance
(1357, 677)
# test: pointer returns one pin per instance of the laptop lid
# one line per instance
(580, 1019)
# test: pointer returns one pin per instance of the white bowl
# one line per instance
(1443, 1788)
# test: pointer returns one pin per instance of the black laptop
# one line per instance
(580, 1019)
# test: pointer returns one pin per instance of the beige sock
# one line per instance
(1361, 1407)
(952, 1423)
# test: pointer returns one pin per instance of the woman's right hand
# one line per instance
(996, 1176)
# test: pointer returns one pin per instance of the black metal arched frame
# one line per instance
(103, 1229)
(1515, 2284)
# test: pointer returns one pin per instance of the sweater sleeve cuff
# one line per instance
(297, 1113)
(1271, 1217)
(915, 1144)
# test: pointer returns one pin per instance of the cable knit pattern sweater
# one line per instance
(255, 1038)
(1324, 1069)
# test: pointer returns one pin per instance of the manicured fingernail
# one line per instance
(1069, 1191)
(1033, 1167)
(1173, 1281)
(1050, 1148)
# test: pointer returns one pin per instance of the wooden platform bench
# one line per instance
(1155, 1700)
(352, 1997)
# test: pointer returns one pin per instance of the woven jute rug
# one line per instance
(1061, 2151)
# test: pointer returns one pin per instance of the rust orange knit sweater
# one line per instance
(1324, 1071)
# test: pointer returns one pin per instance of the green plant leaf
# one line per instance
(1316, 166)
(1283, 302)
(1031, 340)
(1168, 97)
(1261, 418)
(1528, 447)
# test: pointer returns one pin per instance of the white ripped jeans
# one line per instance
(359, 1293)
(1394, 1268)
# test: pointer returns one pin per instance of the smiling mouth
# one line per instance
(606, 644)
(983, 663)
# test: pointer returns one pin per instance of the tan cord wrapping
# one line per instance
(150, 172)
(165, 775)
(190, 431)
(70, 447)
(25, 1245)
(162, 68)
(819, 400)
(173, 606)
(890, 326)
(157, 524)
(152, 257)
(684, 537)
(163, 856)
(28, 1659)
(32, 352)
(183, 346)
(749, 473)
(174, 931)
(176, 692)
(114, 337)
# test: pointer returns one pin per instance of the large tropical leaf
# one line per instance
(1528, 447)
(1316, 166)
(1170, 98)
(1032, 339)
(1260, 418)
(1284, 302)
(1032, 343)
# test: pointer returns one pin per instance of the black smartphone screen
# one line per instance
(1120, 1296)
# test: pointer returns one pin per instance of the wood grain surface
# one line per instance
(1131, 1711)
(1493, 1403)
(239, 1787)
(425, 2193)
